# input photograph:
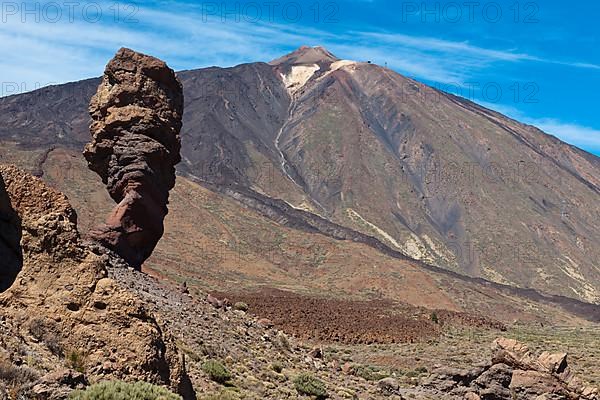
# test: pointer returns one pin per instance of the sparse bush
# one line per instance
(421, 370)
(117, 390)
(17, 379)
(434, 318)
(192, 355)
(367, 373)
(412, 374)
(227, 394)
(311, 386)
(13, 373)
(240, 305)
(282, 342)
(216, 371)
(46, 331)
(211, 351)
(37, 328)
(76, 360)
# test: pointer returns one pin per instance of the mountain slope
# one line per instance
(431, 175)
(218, 241)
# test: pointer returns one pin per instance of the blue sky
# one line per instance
(536, 61)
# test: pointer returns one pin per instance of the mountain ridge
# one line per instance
(362, 147)
(309, 246)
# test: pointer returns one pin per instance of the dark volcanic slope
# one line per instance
(434, 176)
(228, 112)
(51, 116)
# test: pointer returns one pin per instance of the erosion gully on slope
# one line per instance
(284, 161)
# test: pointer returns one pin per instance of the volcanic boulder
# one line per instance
(63, 302)
(136, 118)
(513, 373)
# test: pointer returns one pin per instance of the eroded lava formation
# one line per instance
(136, 118)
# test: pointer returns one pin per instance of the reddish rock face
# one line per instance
(62, 288)
(136, 118)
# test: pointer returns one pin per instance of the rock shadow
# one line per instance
(11, 254)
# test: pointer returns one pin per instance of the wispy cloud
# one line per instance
(38, 54)
(43, 53)
(445, 46)
(454, 54)
(67, 50)
(581, 136)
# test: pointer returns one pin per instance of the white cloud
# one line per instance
(44, 53)
(581, 136)
(445, 46)
(443, 55)
(38, 54)
(578, 135)
(186, 39)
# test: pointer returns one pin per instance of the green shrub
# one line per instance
(216, 371)
(311, 386)
(240, 306)
(76, 360)
(117, 390)
(434, 318)
(367, 373)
